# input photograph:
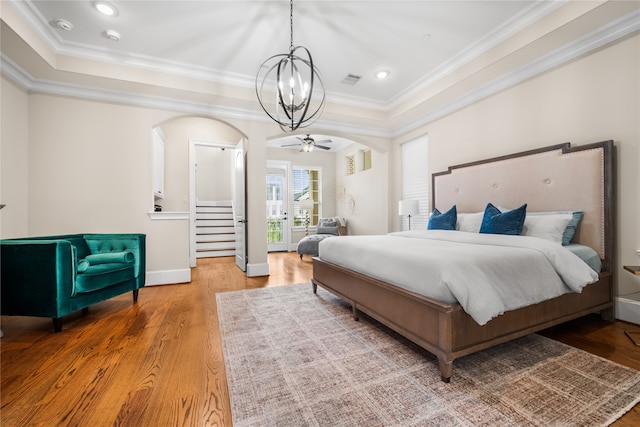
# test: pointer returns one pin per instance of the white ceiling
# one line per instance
(229, 40)
(201, 57)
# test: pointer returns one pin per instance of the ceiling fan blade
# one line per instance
(323, 147)
(290, 145)
(324, 141)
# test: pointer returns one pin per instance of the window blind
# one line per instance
(306, 185)
(415, 181)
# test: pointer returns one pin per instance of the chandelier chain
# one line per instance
(291, 48)
(299, 89)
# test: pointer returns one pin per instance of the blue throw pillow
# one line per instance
(496, 222)
(443, 221)
(571, 227)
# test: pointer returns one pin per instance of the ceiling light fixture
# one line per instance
(112, 35)
(63, 24)
(308, 147)
(382, 74)
(105, 8)
(299, 89)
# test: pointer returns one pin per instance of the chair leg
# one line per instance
(135, 295)
(57, 324)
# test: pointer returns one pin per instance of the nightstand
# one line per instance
(634, 269)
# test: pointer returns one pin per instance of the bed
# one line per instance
(559, 178)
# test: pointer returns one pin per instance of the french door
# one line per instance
(277, 206)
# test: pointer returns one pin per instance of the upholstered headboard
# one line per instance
(556, 178)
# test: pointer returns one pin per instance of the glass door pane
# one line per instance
(277, 225)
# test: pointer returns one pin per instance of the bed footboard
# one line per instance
(446, 330)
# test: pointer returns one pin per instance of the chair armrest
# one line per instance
(37, 277)
(135, 243)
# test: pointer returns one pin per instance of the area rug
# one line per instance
(294, 358)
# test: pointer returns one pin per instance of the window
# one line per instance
(366, 160)
(273, 191)
(360, 161)
(351, 164)
(306, 185)
(415, 181)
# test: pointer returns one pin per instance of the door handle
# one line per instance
(242, 221)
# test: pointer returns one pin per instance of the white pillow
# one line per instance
(550, 227)
(469, 222)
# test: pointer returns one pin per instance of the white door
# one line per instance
(277, 206)
(239, 209)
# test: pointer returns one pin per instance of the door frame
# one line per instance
(239, 203)
(193, 143)
(286, 231)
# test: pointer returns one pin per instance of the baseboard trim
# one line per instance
(167, 277)
(254, 270)
(628, 310)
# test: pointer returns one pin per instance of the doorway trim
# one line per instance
(285, 166)
(193, 143)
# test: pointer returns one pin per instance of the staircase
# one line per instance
(215, 231)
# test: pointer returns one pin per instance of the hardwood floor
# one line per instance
(159, 362)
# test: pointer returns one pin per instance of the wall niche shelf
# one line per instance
(168, 215)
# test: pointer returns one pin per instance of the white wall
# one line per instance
(362, 198)
(178, 132)
(90, 170)
(591, 99)
(14, 160)
(213, 173)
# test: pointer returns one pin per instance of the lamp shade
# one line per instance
(408, 207)
(306, 204)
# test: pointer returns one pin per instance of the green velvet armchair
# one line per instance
(56, 275)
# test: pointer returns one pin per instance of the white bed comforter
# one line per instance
(487, 274)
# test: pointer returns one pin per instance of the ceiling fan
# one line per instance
(307, 144)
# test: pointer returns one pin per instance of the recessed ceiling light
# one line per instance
(382, 74)
(105, 8)
(63, 24)
(112, 35)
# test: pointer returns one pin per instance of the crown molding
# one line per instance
(33, 85)
(528, 16)
(83, 51)
(598, 38)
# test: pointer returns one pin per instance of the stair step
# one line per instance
(222, 237)
(214, 230)
(213, 254)
(214, 209)
(215, 246)
(215, 223)
(214, 203)
(214, 215)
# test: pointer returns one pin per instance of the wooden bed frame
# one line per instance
(549, 179)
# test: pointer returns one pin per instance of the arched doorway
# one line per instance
(203, 165)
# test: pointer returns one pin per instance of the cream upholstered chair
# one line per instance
(327, 227)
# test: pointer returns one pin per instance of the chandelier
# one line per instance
(299, 99)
